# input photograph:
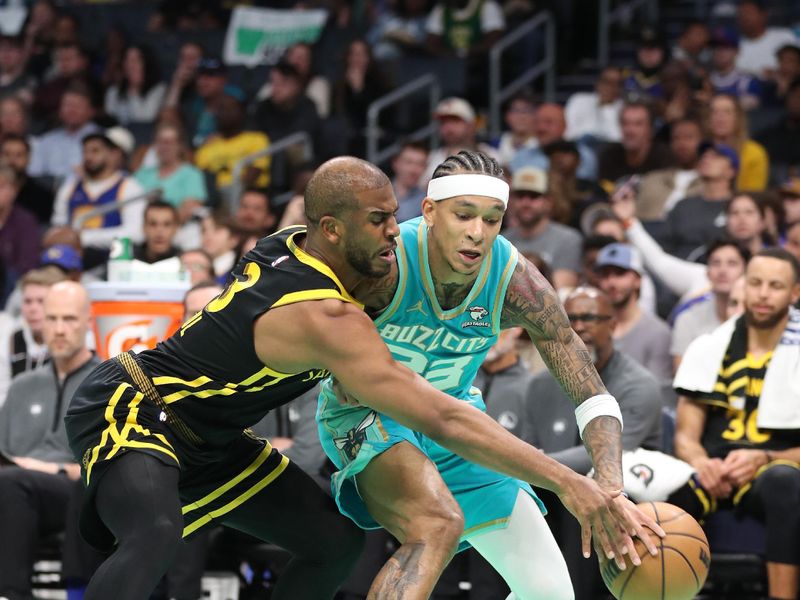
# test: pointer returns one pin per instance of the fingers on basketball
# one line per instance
(679, 570)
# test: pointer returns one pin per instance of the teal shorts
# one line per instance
(353, 436)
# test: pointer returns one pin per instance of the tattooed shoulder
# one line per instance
(531, 302)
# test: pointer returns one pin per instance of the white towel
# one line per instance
(779, 404)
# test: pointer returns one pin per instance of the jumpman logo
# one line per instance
(418, 307)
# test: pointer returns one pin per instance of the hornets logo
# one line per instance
(351, 442)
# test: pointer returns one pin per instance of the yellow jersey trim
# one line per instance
(306, 295)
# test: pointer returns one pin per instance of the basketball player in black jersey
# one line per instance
(162, 439)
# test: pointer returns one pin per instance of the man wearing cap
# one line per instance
(639, 334)
(456, 119)
(534, 230)
(725, 78)
(211, 83)
(695, 220)
(101, 183)
(644, 82)
(65, 257)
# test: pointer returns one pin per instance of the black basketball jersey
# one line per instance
(208, 372)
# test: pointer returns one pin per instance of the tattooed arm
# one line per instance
(532, 303)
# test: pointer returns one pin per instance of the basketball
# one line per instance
(679, 570)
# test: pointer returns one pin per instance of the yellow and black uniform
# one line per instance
(731, 424)
(188, 402)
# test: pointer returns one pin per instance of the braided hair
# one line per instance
(468, 161)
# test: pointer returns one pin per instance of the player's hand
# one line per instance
(712, 474)
(640, 525)
(600, 518)
(623, 201)
(741, 466)
(342, 396)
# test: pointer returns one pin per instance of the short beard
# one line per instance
(359, 260)
(769, 322)
(623, 302)
(93, 171)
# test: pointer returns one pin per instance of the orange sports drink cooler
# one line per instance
(134, 316)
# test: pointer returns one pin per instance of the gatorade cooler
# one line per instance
(134, 316)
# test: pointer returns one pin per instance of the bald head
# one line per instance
(591, 293)
(332, 189)
(66, 321)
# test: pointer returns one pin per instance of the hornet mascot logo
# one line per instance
(351, 442)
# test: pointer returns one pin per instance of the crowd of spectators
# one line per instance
(642, 199)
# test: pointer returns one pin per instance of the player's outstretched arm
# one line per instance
(532, 303)
(344, 340)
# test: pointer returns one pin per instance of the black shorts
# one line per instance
(110, 416)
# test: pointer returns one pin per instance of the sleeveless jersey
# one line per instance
(208, 371)
(462, 31)
(80, 202)
(446, 347)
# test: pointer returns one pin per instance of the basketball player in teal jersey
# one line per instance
(456, 284)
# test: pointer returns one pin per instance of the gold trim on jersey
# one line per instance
(746, 488)
(479, 526)
(400, 288)
(505, 279)
(169, 380)
(306, 295)
(318, 265)
(120, 437)
(238, 500)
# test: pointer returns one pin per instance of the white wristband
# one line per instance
(602, 405)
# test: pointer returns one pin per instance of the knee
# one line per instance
(440, 524)
(162, 535)
(780, 483)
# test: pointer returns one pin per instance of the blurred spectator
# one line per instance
(535, 231)
(457, 123)
(19, 232)
(639, 334)
(571, 194)
(58, 152)
(360, 83)
(71, 67)
(254, 215)
(790, 196)
(607, 225)
(15, 154)
(660, 190)
(780, 140)
(759, 42)
(67, 29)
(594, 116)
(160, 227)
(316, 87)
(792, 239)
(696, 219)
(644, 82)
(182, 184)
(727, 124)
(781, 80)
(102, 183)
(519, 117)
(182, 93)
(230, 143)
(464, 28)
(138, 96)
(545, 405)
(221, 236)
(211, 84)
(198, 264)
(113, 53)
(347, 21)
(14, 118)
(287, 110)
(736, 425)
(34, 491)
(22, 346)
(637, 152)
(198, 296)
(66, 258)
(549, 126)
(400, 31)
(691, 49)
(725, 78)
(408, 167)
(14, 79)
(590, 248)
(38, 32)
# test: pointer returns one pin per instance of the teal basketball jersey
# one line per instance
(446, 347)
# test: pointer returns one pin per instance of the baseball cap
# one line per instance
(723, 150)
(561, 145)
(529, 179)
(623, 256)
(211, 66)
(117, 136)
(724, 37)
(62, 255)
(455, 107)
(791, 188)
(650, 38)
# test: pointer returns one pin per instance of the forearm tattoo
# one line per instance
(532, 303)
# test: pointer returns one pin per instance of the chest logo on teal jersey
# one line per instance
(477, 315)
(418, 307)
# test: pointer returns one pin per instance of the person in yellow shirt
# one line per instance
(727, 124)
(230, 144)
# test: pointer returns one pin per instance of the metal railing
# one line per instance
(79, 221)
(234, 190)
(609, 17)
(429, 81)
(546, 66)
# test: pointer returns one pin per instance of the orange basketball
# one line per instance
(679, 570)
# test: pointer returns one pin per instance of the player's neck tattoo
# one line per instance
(451, 295)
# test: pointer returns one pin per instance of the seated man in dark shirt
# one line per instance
(160, 227)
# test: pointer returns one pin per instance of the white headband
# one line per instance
(468, 184)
